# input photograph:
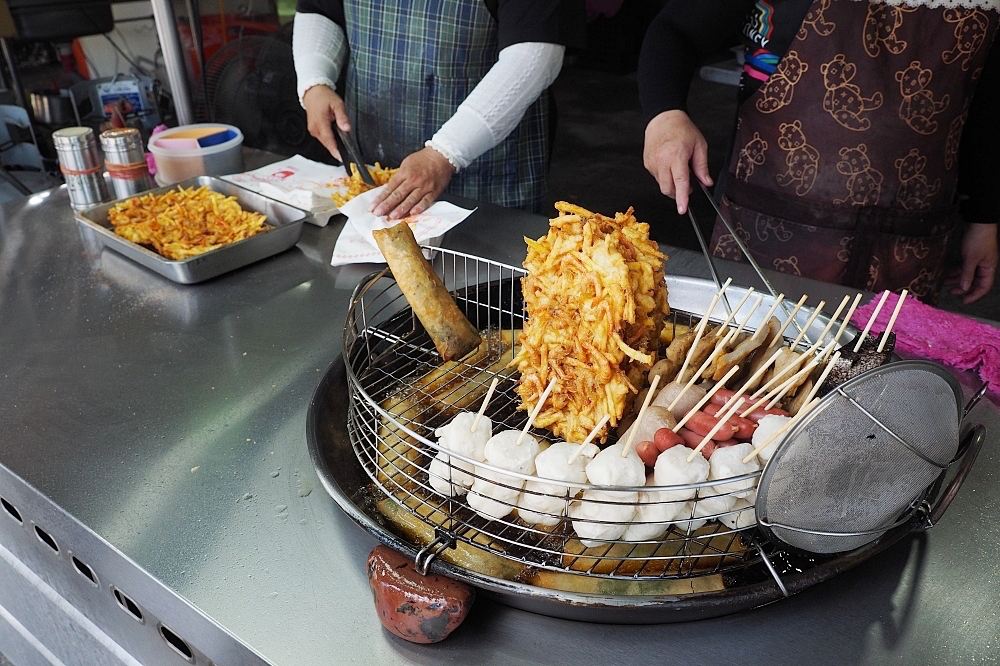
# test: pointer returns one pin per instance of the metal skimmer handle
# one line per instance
(746, 253)
(976, 440)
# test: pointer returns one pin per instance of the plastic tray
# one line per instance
(286, 222)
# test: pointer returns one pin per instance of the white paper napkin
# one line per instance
(356, 243)
(299, 182)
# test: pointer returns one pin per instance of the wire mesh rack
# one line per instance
(401, 392)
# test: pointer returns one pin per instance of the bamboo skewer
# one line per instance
(704, 366)
(702, 326)
(536, 410)
(822, 378)
(789, 319)
(590, 438)
(486, 401)
(755, 376)
(871, 321)
(767, 397)
(708, 396)
(787, 385)
(892, 321)
(809, 323)
(833, 320)
(781, 431)
(774, 306)
(638, 419)
(760, 299)
(694, 345)
(843, 326)
(723, 418)
(732, 314)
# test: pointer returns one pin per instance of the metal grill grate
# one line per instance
(401, 392)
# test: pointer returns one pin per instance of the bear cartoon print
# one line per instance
(816, 20)
(919, 107)
(914, 187)
(751, 155)
(779, 89)
(802, 159)
(843, 100)
(864, 183)
(880, 29)
(970, 34)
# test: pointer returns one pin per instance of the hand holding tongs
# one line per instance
(350, 150)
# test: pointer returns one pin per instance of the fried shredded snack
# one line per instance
(596, 299)
(183, 223)
(356, 186)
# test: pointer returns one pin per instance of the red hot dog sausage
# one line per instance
(647, 452)
(702, 423)
(665, 438)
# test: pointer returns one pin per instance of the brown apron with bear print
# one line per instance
(845, 162)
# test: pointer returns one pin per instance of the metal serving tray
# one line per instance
(286, 221)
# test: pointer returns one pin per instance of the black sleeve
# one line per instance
(553, 21)
(978, 165)
(682, 35)
(332, 9)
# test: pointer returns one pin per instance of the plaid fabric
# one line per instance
(412, 63)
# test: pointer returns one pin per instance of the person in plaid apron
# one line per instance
(845, 162)
(449, 90)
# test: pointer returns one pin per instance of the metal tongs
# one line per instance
(743, 248)
(349, 148)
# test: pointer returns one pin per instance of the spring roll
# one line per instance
(452, 333)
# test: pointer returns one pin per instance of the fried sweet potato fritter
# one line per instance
(596, 300)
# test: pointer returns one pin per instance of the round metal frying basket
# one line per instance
(400, 392)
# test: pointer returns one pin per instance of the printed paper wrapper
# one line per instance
(356, 243)
(299, 182)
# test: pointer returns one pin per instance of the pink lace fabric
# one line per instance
(925, 331)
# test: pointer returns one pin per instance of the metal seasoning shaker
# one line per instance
(126, 161)
(81, 165)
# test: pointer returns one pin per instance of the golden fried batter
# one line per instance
(356, 186)
(596, 300)
(183, 223)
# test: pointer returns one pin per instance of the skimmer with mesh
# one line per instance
(855, 466)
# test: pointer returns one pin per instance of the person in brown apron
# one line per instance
(845, 160)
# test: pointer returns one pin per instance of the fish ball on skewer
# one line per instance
(603, 515)
(673, 469)
(654, 419)
(766, 428)
(726, 463)
(494, 494)
(689, 525)
(653, 515)
(711, 505)
(544, 503)
(609, 468)
(458, 437)
(742, 515)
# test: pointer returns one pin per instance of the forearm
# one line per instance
(978, 170)
(319, 50)
(682, 35)
(498, 102)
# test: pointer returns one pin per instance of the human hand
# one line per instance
(979, 263)
(673, 142)
(421, 178)
(324, 107)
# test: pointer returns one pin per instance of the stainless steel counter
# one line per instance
(155, 433)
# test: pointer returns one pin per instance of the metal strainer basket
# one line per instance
(853, 467)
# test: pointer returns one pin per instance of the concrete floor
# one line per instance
(597, 158)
